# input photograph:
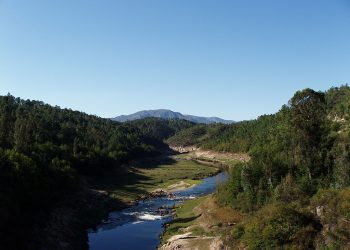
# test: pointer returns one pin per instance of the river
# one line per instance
(139, 226)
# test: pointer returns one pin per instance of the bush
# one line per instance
(277, 225)
(288, 191)
(237, 232)
(334, 207)
(307, 186)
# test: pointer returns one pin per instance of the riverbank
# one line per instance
(139, 226)
(213, 156)
(150, 175)
(65, 228)
(200, 224)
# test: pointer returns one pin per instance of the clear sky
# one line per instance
(233, 59)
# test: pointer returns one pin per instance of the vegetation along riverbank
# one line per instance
(294, 190)
(62, 171)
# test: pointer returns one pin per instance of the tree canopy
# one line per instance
(44, 151)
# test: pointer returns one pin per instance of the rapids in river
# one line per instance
(139, 226)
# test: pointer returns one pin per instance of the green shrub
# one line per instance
(307, 186)
(288, 191)
(277, 225)
(237, 232)
(334, 206)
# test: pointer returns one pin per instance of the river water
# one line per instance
(139, 226)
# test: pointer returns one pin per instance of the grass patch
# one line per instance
(151, 174)
(232, 162)
(184, 218)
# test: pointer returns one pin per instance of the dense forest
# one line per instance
(295, 189)
(45, 150)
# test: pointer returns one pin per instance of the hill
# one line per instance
(295, 189)
(47, 154)
(168, 114)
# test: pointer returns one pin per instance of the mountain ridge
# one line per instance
(169, 114)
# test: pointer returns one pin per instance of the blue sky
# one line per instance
(233, 59)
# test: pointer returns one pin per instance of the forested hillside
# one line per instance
(238, 137)
(294, 192)
(44, 151)
(295, 189)
(160, 129)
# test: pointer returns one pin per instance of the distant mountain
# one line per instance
(168, 114)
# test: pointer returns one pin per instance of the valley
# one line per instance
(73, 181)
(170, 173)
(174, 125)
(151, 212)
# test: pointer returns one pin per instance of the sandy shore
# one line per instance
(188, 241)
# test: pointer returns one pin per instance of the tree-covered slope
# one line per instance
(44, 150)
(294, 186)
(238, 137)
(159, 128)
(244, 136)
